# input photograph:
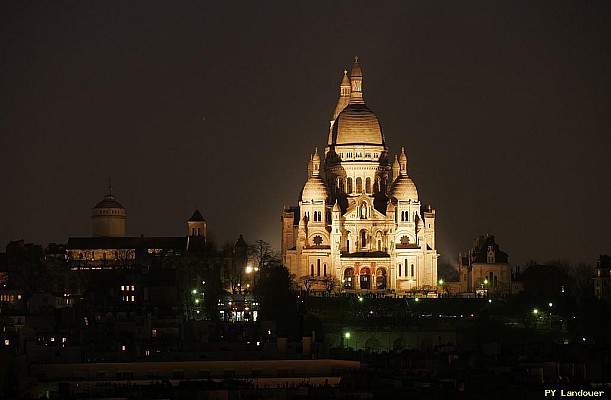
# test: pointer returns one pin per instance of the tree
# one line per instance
(277, 301)
(261, 254)
(307, 281)
(331, 283)
(447, 272)
(235, 258)
(201, 271)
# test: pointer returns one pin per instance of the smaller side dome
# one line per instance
(404, 188)
(419, 225)
(314, 189)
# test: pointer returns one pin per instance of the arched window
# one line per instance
(348, 278)
(365, 278)
(363, 239)
(412, 269)
(380, 278)
(399, 269)
(349, 186)
(324, 269)
(368, 185)
(318, 267)
(359, 185)
(311, 269)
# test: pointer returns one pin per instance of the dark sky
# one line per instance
(503, 108)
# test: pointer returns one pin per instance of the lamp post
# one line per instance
(550, 305)
(252, 271)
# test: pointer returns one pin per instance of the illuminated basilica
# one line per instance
(359, 220)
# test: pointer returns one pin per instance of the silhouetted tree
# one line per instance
(331, 283)
(234, 264)
(261, 253)
(277, 301)
(447, 272)
(307, 281)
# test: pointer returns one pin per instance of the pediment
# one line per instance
(362, 207)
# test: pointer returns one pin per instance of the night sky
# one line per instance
(503, 108)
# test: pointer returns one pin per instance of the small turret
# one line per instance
(315, 163)
(403, 162)
(356, 78)
(396, 168)
(344, 96)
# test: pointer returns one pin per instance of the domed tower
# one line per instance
(404, 196)
(313, 204)
(356, 160)
(108, 217)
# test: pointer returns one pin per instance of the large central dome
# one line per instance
(357, 124)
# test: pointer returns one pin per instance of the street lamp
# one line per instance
(550, 304)
(250, 270)
(346, 337)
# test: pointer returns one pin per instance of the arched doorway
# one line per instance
(365, 278)
(348, 280)
(381, 278)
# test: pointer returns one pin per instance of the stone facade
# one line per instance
(485, 269)
(359, 220)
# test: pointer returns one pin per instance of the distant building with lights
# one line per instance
(360, 220)
(109, 247)
(484, 269)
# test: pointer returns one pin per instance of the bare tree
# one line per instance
(426, 289)
(261, 254)
(234, 265)
(331, 283)
(307, 281)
